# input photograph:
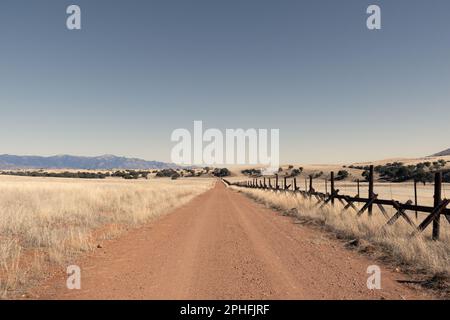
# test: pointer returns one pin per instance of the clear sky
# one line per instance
(140, 69)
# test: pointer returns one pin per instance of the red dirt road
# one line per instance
(222, 245)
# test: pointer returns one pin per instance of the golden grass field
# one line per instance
(49, 221)
(417, 254)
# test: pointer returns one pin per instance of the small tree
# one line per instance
(223, 172)
(341, 175)
(175, 176)
(365, 175)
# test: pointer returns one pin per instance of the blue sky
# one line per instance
(140, 69)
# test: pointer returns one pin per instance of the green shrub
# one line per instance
(341, 175)
(223, 172)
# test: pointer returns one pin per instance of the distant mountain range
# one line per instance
(75, 162)
(442, 153)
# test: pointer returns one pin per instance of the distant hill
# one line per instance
(75, 162)
(442, 153)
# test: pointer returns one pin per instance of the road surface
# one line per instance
(222, 245)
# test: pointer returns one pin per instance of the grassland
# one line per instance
(49, 221)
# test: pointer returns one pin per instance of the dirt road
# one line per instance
(222, 245)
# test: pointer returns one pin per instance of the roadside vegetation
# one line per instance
(128, 174)
(125, 174)
(223, 172)
(66, 174)
(252, 172)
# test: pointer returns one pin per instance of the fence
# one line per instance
(433, 218)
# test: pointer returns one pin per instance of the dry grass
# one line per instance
(46, 221)
(417, 254)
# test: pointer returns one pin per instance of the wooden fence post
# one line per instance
(332, 187)
(310, 184)
(326, 186)
(358, 187)
(295, 184)
(437, 201)
(415, 197)
(371, 194)
(285, 184)
(276, 182)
